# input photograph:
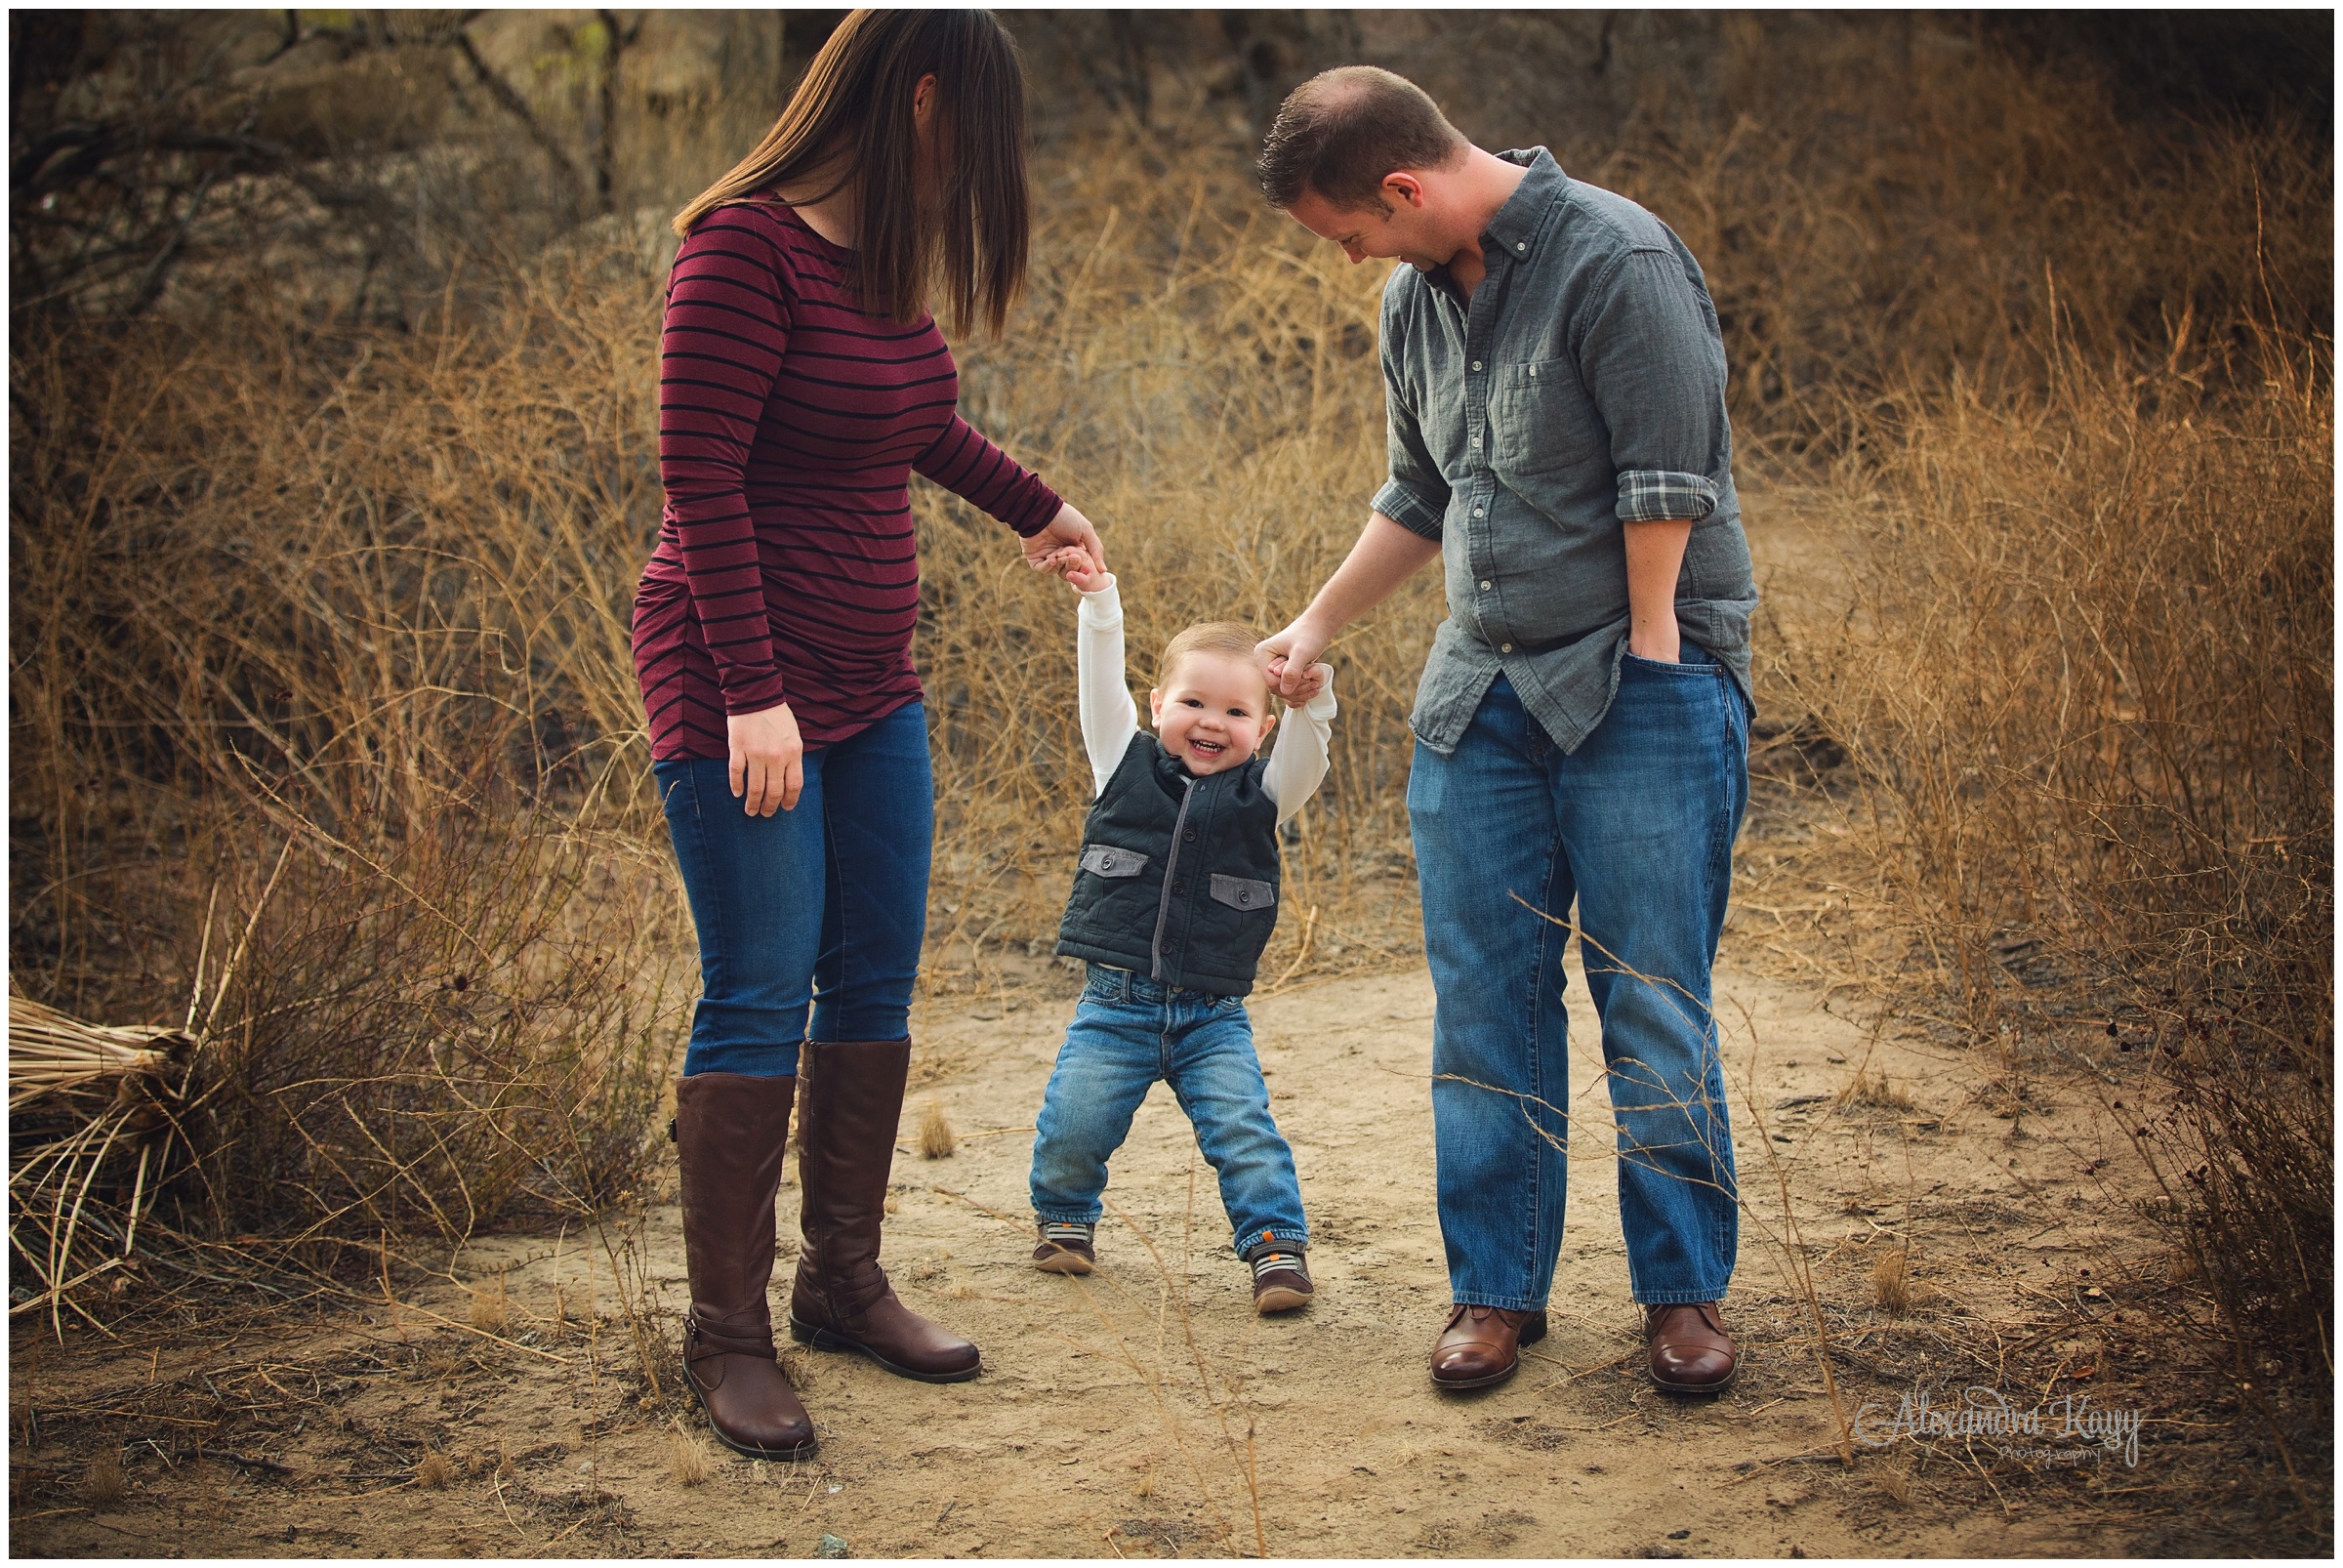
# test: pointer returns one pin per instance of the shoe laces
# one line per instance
(1264, 1261)
(1060, 1232)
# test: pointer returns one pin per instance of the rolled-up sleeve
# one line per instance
(1415, 496)
(1657, 374)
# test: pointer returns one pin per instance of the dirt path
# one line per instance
(1146, 1412)
(1114, 1413)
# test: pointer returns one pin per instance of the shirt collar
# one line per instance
(1513, 232)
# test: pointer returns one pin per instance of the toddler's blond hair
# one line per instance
(1233, 638)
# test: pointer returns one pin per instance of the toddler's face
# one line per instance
(1212, 712)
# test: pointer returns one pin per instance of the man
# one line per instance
(1555, 380)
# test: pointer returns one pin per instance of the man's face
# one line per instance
(1398, 227)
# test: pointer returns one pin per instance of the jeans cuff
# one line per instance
(1285, 1241)
(1510, 1303)
(1069, 1217)
(1678, 1298)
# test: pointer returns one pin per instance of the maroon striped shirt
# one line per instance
(789, 424)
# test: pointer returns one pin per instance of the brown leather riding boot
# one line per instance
(1691, 1354)
(854, 1100)
(730, 1129)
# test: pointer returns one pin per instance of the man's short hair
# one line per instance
(1340, 133)
(1228, 639)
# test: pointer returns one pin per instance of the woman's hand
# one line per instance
(1068, 527)
(768, 760)
(1073, 563)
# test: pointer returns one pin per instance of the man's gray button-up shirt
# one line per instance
(1590, 361)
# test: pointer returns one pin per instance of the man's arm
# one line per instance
(1386, 556)
(1654, 558)
(1651, 362)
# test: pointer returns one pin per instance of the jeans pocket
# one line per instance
(1702, 663)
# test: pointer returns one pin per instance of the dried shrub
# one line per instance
(435, 1472)
(688, 1459)
(1891, 1280)
(937, 1139)
(104, 1482)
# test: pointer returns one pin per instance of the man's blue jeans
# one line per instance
(824, 904)
(1128, 1032)
(1636, 826)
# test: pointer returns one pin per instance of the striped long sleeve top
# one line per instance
(790, 423)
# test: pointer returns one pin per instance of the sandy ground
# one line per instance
(1146, 1411)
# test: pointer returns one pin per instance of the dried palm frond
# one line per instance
(77, 1095)
(51, 1052)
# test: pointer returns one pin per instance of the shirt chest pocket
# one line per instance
(1541, 422)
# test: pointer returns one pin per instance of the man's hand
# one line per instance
(768, 760)
(1312, 680)
(1290, 658)
(1068, 527)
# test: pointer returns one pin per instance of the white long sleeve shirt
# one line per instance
(1298, 757)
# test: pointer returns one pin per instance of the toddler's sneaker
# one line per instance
(1066, 1248)
(1281, 1279)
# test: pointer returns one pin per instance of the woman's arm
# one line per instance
(988, 478)
(720, 346)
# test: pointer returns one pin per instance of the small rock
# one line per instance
(832, 1546)
(1680, 1535)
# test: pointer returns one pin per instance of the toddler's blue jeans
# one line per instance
(1128, 1032)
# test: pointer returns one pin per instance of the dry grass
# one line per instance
(688, 1463)
(1877, 1091)
(103, 1484)
(435, 1472)
(1891, 1280)
(491, 1309)
(937, 1141)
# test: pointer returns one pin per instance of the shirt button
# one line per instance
(1521, 244)
(1476, 364)
(1476, 440)
(1506, 647)
(1480, 512)
(1486, 584)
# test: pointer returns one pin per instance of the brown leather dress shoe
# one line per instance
(1691, 1354)
(1482, 1346)
(850, 1096)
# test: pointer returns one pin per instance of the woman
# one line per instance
(802, 380)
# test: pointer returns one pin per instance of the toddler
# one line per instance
(1173, 902)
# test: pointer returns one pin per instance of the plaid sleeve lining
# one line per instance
(1408, 510)
(1656, 495)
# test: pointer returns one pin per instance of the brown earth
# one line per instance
(1146, 1411)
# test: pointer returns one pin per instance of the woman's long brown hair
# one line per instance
(856, 102)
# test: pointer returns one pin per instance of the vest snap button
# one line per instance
(1179, 886)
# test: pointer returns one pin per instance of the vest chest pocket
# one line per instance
(1243, 892)
(1105, 860)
